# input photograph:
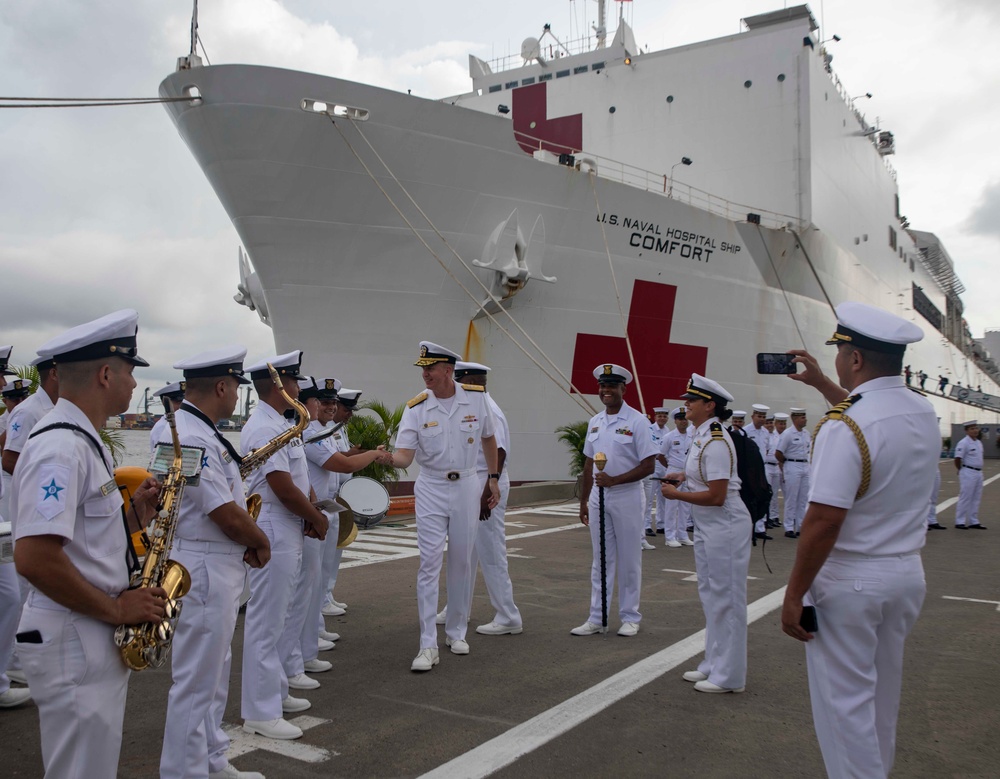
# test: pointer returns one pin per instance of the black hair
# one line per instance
(723, 413)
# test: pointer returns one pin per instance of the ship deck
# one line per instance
(547, 703)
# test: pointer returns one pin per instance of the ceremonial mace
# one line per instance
(600, 460)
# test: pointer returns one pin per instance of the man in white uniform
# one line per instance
(287, 513)
(651, 486)
(444, 428)
(171, 396)
(71, 544)
(24, 418)
(620, 433)
(858, 561)
(758, 433)
(214, 537)
(776, 425)
(490, 549)
(673, 455)
(792, 454)
(969, 463)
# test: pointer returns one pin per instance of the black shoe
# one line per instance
(650, 533)
(790, 534)
(660, 532)
(977, 527)
(797, 534)
(936, 526)
(765, 536)
(961, 527)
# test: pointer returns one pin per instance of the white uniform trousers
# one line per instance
(932, 506)
(773, 473)
(622, 554)
(271, 591)
(796, 494)
(865, 608)
(445, 510)
(194, 743)
(79, 682)
(490, 552)
(676, 516)
(970, 492)
(331, 563)
(299, 642)
(650, 492)
(10, 615)
(722, 558)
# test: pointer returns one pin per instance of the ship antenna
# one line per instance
(194, 30)
(602, 24)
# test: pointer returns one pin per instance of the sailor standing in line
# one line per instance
(969, 463)
(171, 396)
(858, 561)
(490, 549)
(776, 424)
(14, 394)
(24, 418)
(287, 513)
(619, 432)
(673, 455)
(760, 435)
(792, 454)
(213, 539)
(651, 486)
(444, 428)
(70, 544)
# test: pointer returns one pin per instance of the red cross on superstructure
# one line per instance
(663, 367)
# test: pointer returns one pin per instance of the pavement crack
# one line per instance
(452, 712)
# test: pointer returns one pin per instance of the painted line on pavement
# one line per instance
(508, 747)
(973, 600)
(952, 501)
(241, 742)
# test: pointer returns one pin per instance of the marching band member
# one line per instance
(792, 454)
(24, 418)
(171, 397)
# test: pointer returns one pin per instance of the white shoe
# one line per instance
(325, 646)
(274, 728)
(317, 666)
(302, 682)
(674, 544)
(332, 610)
(586, 629)
(707, 686)
(694, 676)
(338, 603)
(628, 629)
(646, 545)
(328, 636)
(232, 772)
(17, 675)
(292, 705)
(441, 616)
(425, 660)
(14, 697)
(687, 541)
(498, 629)
(458, 646)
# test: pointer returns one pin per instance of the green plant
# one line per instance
(574, 435)
(376, 429)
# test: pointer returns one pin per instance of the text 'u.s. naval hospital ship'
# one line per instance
(536, 222)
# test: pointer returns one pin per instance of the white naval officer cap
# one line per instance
(760, 407)
(463, 369)
(327, 388)
(700, 388)
(680, 411)
(18, 388)
(5, 359)
(285, 364)
(970, 423)
(307, 388)
(215, 363)
(739, 415)
(796, 411)
(431, 353)
(873, 328)
(781, 416)
(661, 410)
(113, 335)
(609, 373)
(349, 397)
(174, 391)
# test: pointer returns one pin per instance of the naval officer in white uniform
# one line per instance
(858, 560)
(673, 456)
(792, 454)
(969, 462)
(444, 428)
(721, 543)
(622, 434)
(758, 433)
(71, 544)
(776, 423)
(214, 537)
(24, 418)
(171, 396)
(652, 518)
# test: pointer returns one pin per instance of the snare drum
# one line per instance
(367, 500)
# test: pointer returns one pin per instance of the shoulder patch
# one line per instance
(417, 400)
(473, 388)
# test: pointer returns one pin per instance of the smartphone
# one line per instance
(670, 481)
(808, 620)
(776, 363)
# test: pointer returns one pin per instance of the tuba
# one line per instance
(148, 644)
(261, 455)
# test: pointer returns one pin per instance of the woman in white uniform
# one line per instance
(721, 537)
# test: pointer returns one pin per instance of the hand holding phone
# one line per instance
(776, 363)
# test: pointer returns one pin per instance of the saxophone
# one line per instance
(261, 455)
(148, 644)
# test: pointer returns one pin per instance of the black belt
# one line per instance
(972, 467)
(787, 460)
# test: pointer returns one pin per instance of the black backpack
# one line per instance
(754, 487)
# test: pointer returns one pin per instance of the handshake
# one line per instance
(384, 456)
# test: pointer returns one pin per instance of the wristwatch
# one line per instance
(494, 476)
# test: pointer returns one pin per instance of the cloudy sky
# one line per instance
(102, 208)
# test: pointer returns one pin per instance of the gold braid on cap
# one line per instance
(717, 435)
(837, 412)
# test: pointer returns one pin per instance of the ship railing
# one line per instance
(551, 50)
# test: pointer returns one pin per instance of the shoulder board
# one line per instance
(417, 400)
(838, 411)
(716, 429)
(473, 388)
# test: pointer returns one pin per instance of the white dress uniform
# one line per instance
(446, 437)
(970, 481)
(932, 503)
(270, 629)
(651, 484)
(194, 743)
(23, 419)
(722, 558)
(624, 438)
(760, 436)
(490, 549)
(10, 602)
(870, 589)
(676, 513)
(773, 472)
(332, 555)
(795, 445)
(64, 487)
